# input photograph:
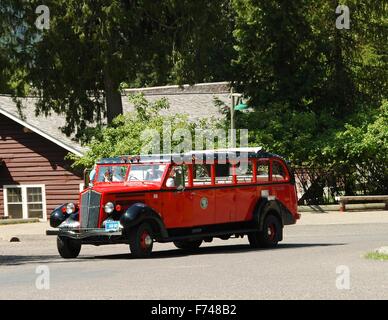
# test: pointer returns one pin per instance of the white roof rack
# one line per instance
(186, 154)
(244, 149)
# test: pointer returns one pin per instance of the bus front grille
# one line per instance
(90, 209)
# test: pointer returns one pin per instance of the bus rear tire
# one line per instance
(141, 240)
(188, 245)
(269, 236)
(68, 248)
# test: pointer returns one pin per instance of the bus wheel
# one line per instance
(68, 248)
(141, 241)
(269, 236)
(188, 245)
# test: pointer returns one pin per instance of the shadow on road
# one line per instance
(227, 249)
(8, 260)
(14, 260)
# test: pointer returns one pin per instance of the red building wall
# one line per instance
(29, 158)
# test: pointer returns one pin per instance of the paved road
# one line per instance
(303, 267)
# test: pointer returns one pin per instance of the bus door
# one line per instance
(225, 193)
(245, 191)
(177, 208)
(202, 196)
(281, 189)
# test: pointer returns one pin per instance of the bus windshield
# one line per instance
(152, 172)
(111, 173)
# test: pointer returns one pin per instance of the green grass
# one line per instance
(377, 256)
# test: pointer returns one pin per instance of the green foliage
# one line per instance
(361, 149)
(376, 256)
(317, 91)
(93, 46)
(277, 53)
(9, 43)
(124, 134)
(291, 52)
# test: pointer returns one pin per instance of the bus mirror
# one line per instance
(180, 188)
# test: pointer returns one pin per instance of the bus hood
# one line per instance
(125, 187)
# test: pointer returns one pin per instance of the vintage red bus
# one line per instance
(185, 199)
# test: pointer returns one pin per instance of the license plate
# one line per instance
(112, 226)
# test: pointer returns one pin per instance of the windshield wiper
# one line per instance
(129, 179)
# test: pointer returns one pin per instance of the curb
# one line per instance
(336, 207)
(7, 222)
(23, 238)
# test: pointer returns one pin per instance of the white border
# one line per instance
(24, 198)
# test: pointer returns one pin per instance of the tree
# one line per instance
(9, 44)
(277, 57)
(292, 53)
(360, 150)
(93, 47)
(315, 89)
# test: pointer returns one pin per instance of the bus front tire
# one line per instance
(68, 248)
(269, 236)
(141, 240)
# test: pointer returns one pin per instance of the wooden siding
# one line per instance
(31, 159)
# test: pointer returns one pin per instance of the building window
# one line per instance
(25, 201)
(34, 202)
(14, 203)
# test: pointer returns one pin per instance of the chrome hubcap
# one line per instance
(148, 240)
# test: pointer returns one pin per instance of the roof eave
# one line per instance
(41, 133)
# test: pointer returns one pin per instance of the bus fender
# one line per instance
(58, 216)
(140, 212)
(265, 207)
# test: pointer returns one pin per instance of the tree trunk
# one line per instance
(114, 105)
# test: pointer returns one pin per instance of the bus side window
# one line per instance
(178, 177)
(201, 175)
(244, 172)
(186, 178)
(278, 172)
(224, 173)
(262, 172)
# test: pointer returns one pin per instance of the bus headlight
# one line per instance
(70, 208)
(109, 207)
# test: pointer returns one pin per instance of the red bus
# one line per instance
(185, 199)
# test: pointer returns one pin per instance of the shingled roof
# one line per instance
(47, 127)
(197, 101)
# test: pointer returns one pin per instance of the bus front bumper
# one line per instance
(80, 234)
